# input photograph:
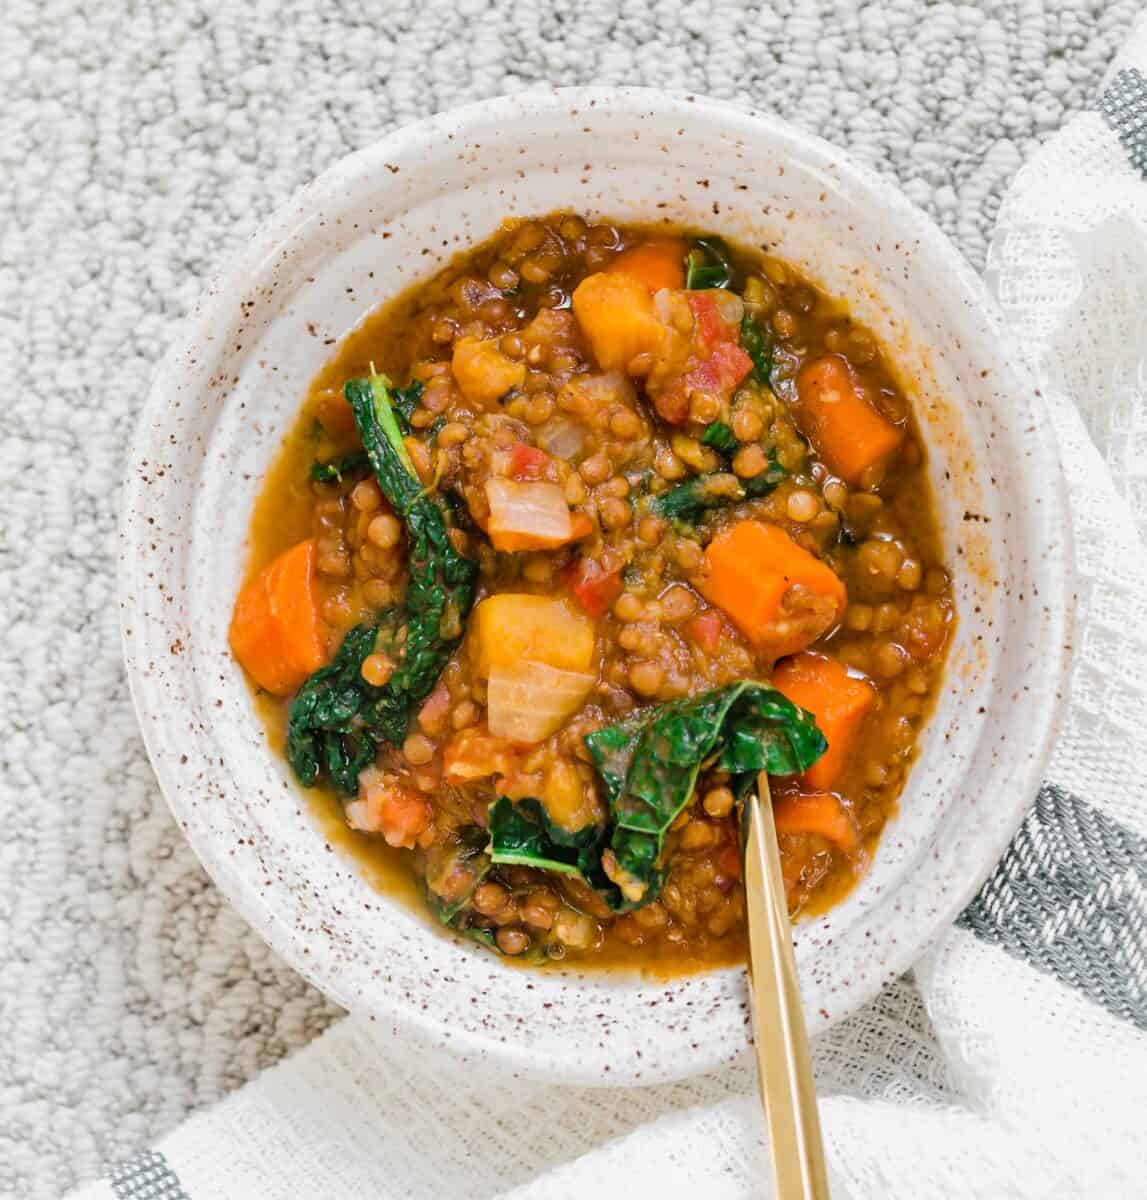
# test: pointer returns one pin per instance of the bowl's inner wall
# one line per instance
(366, 232)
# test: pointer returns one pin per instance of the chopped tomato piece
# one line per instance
(721, 371)
(705, 629)
(729, 863)
(595, 585)
(385, 806)
(709, 328)
(528, 462)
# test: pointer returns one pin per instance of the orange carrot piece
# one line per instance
(838, 700)
(659, 263)
(844, 427)
(750, 569)
(275, 629)
(616, 315)
(820, 813)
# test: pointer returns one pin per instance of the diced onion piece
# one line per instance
(562, 438)
(730, 307)
(528, 701)
(527, 516)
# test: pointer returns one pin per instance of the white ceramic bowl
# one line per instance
(394, 213)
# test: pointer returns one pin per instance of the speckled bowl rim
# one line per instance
(139, 637)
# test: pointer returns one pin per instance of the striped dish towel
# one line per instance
(1013, 1062)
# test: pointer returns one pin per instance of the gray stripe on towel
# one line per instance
(1123, 106)
(1070, 897)
(146, 1176)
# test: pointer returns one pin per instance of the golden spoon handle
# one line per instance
(784, 1070)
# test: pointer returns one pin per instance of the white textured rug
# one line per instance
(139, 144)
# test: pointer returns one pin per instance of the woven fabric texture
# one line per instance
(140, 143)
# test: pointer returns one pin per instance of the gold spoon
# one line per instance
(784, 1070)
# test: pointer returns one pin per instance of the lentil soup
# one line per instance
(567, 543)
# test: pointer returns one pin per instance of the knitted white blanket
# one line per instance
(139, 144)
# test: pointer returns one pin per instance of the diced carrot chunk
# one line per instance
(752, 568)
(616, 315)
(659, 263)
(483, 372)
(838, 700)
(845, 428)
(820, 813)
(276, 633)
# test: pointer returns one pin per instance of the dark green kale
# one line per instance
(522, 834)
(440, 593)
(333, 470)
(707, 265)
(748, 726)
(689, 501)
(759, 346)
(718, 436)
(763, 484)
(405, 401)
(324, 728)
(339, 737)
(649, 766)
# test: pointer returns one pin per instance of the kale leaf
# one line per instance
(522, 834)
(440, 593)
(333, 470)
(718, 436)
(760, 348)
(337, 719)
(324, 727)
(688, 501)
(405, 401)
(649, 765)
(707, 265)
(750, 727)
